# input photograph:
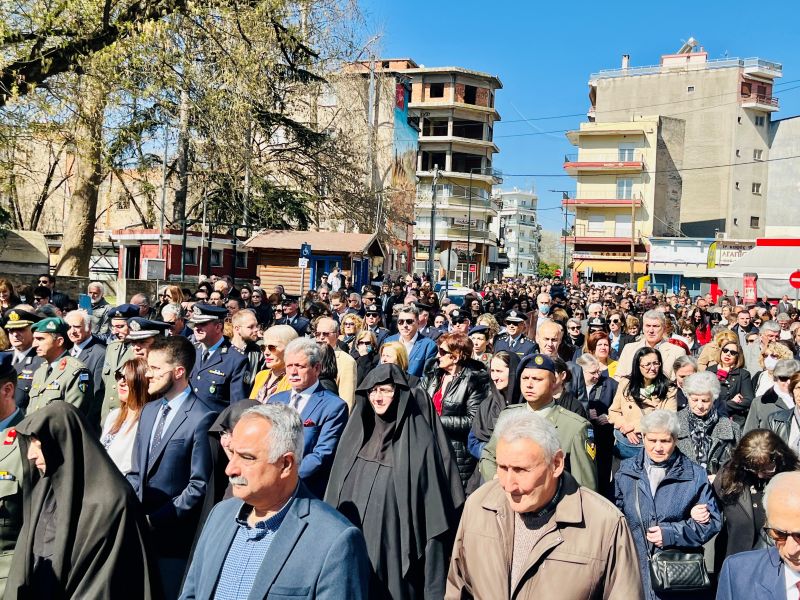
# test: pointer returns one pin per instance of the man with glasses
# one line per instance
(514, 340)
(770, 572)
(327, 332)
(57, 298)
(461, 321)
(420, 349)
(372, 321)
(41, 296)
(768, 333)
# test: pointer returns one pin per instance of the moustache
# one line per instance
(237, 480)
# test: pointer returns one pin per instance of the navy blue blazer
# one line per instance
(173, 487)
(316, 553)
(324, 417)
(424, 349)
(756, 574)
(223, 378)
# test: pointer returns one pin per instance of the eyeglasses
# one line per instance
(512, 323)
(443, 352)
(652, 365)
(573, 328)
(783, 378)
(730, 351)
(780, 536)
(322, 334)
(405, 321)
(613, 320)
(366, 343)
(271, 347)
(349, 324)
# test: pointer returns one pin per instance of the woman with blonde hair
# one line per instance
(770, 356)
(394, 353)
(490, 321)
(7, 296)
(173, 295)
(350, 326)
(273, 379)
(709, 355)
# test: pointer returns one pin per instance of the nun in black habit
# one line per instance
(84, 534)
(389, 479)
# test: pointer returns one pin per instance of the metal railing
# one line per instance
(612, 195)
(606, 157)
(719, 63)
(761, 99)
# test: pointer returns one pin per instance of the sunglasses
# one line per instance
(512, 323)
(364, 344)
(783, 378)
(780, 536)
(405, 321)
(729, 351)
(613, 321)
(271, 347)
(573, 328)
(443, 352)
(322, 334)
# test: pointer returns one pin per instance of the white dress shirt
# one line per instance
(305, 395)
(790, 580)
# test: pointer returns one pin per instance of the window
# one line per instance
(625, 188)
(241, 260)
(758, 154)
(761, 121)
(216, 258)
(385, 64)
(597, 224)
(625, 152)
(190, 256)
(739, 120)
(736, 185)
(756, 188)
(690, 89)
(436, 90)
(754, 221)
(470, 94)
(123, 201)
(738, 153)
(622, 226)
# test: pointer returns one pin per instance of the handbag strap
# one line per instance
(641, 522)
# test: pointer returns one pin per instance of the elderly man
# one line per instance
(100, 308)
(327, 333)
(654, 330)
(25, 361)
(292, 316)
(174, 315)
(784, 321)
(274, 537)
(594, 310)
(533, 532)
(143, 302)
(538, 381)
(548, 341)
(89, 349)
(419, 348)
(768, 333)
(772, 572)
(324, 414)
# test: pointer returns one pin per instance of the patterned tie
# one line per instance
(295, 401)
(165, 408)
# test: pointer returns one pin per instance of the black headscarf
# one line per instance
(428, 500)
(483, 425)
(100, 540)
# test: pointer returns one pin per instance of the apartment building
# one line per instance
(519, 232)
(456, 114)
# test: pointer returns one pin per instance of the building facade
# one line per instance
(456, 113)
(519, 232)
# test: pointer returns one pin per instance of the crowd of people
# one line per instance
(534, 438)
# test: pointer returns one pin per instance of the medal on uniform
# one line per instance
(212, 389)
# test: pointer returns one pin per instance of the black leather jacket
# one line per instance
(255, 361)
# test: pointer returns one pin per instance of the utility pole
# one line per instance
(433, 223)
(633, 236)
(564, 196)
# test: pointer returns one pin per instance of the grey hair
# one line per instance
(587, 360)
(786, 368)
(85, 317)
(776, 482)
(574, 320)
(305, 346)
(47, 310)
(655, 315)
(286, 431)
(513, 425)
(683, 360)
(660, 421)
(408, 308)
(172, 310)
(704, 382)
(594, 306)
(783, 317)
(95, 284)
(769, 326)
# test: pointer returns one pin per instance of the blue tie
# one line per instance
(165, 408)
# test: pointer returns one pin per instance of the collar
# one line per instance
(307, 393)
(178, 400)
(262, 528)
(57, 360)
(4, 423)
(215, 346)
(790, 581)
(85, 343)
(412, 341)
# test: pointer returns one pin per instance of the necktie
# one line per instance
(160, 428)
(75, 351)
(295, 401)
(205, 356)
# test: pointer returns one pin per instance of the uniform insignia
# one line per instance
(196, 310)
(591, 447)
(11, 435)
(84, 377)
(63, 364)
(6, 476)
(53, 386)
(13, 316)
(51, 326)
(134, 326)
(212, 390)
(223, 351)
(538, 360)
(216, 372)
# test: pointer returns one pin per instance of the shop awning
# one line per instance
(611, 266)
(772, 264)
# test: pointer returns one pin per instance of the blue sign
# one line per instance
(305, 251)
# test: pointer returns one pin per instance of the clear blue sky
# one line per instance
(543, 53)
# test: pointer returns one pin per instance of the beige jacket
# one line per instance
(346, 378)
(669, 354)
(627, 411)
(586, 553)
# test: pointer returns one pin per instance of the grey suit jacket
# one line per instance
(316, 553)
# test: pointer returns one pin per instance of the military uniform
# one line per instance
(223, 377)
(520, 345)
(25, 370)
(117, 353)
(68, 380)
(485, 358)
(577, 441)
(10, 497)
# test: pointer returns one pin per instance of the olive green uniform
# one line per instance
(68, 380)
(10, 497)
(577, 441)
(117, 354)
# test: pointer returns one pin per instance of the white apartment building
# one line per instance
(519, 232)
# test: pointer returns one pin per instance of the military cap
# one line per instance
(55, 325)
(596, 323)
(515, 316)
(205, 313)
(288, 299)
(369, 294)
(7, 365)
(537, 361)
(18, 318)
(124, 311)
(372, 310)
(458, 316)
(140, 329)
(479, 329)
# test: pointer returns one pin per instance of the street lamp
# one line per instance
(433, 223)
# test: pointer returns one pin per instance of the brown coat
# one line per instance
(587, 552)
(627, 411)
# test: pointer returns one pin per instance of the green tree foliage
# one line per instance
(547, 270)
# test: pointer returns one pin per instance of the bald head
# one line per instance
(782, 504)
(548, 336)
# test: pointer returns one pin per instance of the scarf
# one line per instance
(700, 433)
(722, 375)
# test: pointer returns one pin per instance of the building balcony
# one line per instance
(602, 200)
(493, 178)
(462, 141)
(617, 162)
(760, 102)
(460, 202)
(762, 68)
(597, 240)
(455, 233)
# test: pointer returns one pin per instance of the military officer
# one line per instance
(537, 383)
(220, 372)
(118, 351)
(61, 376)
(426, 327)
(372, 322)
(18, 326)
(480, 351)
(10, 468)
(142, 333)
(514, 340)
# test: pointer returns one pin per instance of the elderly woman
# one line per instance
(574, 337)
(394, 353)
(736, 386)
(665, 497)
(785, 422)
(273, 379)
(351, 324)
(776, 398)
(457, 389)
(740, 485)
(365, 353)
(646, 389)
(393, 477)
(706, 436)
(773, 353)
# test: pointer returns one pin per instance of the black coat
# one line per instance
(93, 355)
(460, 403)
(737, 382)
(624, 339)
(781, 423)
(740, 531)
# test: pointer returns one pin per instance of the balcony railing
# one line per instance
(721, 63)
(762, 99)
(603, 199)
(605, 157)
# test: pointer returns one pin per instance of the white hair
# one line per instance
(661, 421)
(286, 431)
(85, 317)
(703, 382)
(587, 361)
(172, 310)
(655, 315)
(521, 424)
(305, 346)
(94, 284)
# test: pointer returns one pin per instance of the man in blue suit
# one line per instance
(769, 573)
(420, 348)
(274, 539)
(323, 413)
(171, 461)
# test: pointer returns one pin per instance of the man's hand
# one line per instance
(654, 536)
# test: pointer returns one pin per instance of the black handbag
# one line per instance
(674, 570)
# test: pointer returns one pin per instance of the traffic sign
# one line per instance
(305, 250)
(303, 263)
(558, 273)
(473, 268)
(794, 280)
